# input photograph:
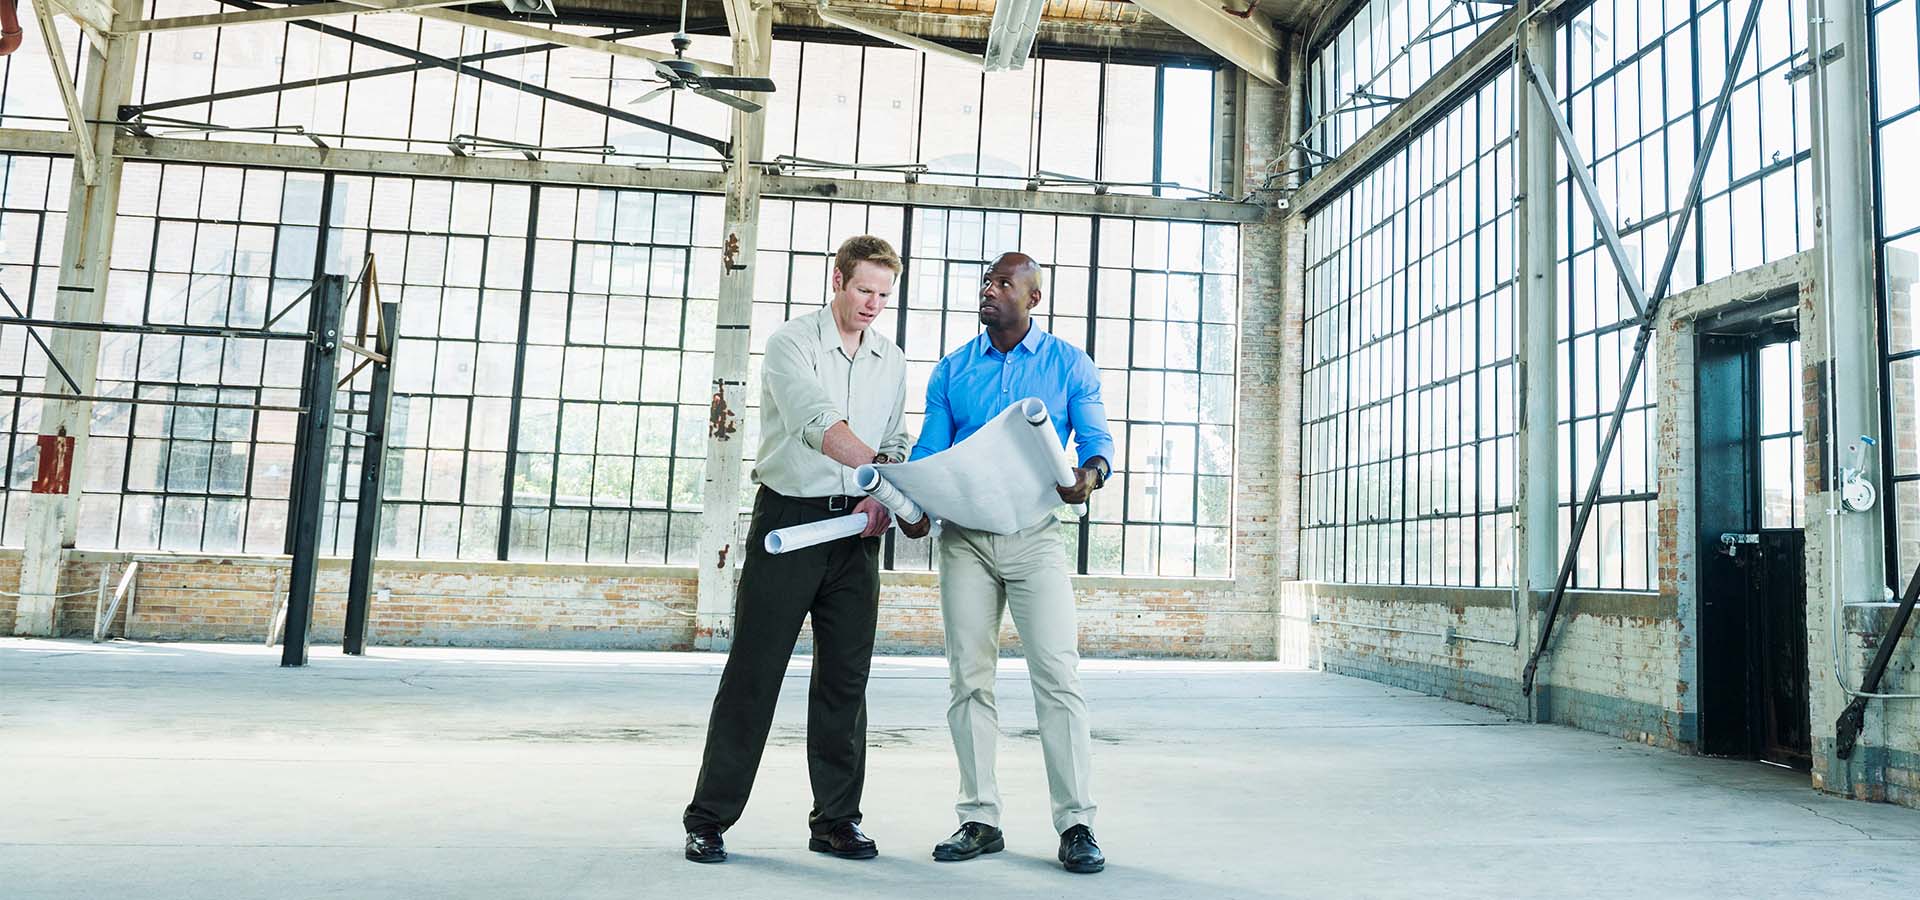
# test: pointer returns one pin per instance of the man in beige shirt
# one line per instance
(833, 396)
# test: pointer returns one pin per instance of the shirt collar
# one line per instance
(1030, 343)
(830, 335)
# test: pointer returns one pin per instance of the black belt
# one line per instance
(838, 503)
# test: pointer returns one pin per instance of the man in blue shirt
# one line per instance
(982, 573)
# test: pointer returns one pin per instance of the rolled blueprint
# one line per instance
(869, 480)
(1044, 439)
(797, 537)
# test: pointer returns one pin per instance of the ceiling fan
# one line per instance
(680, 73)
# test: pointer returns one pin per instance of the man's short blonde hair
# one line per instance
(864, 248)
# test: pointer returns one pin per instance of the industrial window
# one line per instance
(1783, 499)
(1638, 84)
(1165, 309)
(197, 246)
(33, 198)
(842, 105)
(940, 302)
(1896, 68)
(1410, 399)
(1386, 51)
(1155, 303)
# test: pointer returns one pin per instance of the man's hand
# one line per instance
(878, 519)
(1083, 483)
(917, 530)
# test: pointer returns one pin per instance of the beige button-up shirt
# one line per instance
(808, 383)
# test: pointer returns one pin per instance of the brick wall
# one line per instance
(571, 606)
(1398, 635)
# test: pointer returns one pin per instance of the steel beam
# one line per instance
(69, 100)
(1648, 321)
(366, 518)
(586, 174)
(739, 15)
(95, 17)
(316, 432)
(895, 36)
(1249, 43)
(719, 555)
(715, 144)
(92, 206)
(279, 14)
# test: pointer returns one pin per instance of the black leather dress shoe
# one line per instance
(1079, 852)
(846, 841)
(705, 846)
(973, 839)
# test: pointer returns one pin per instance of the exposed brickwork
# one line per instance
(200, 598)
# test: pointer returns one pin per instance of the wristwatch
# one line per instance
(1100, 466)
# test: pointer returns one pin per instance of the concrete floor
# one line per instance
(202, 771)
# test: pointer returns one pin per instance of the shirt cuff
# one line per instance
(1103, 450)
(813, 432)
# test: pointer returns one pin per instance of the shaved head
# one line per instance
(1009, 291)
(1019, 264)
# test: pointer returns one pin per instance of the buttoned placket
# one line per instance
(853, 362)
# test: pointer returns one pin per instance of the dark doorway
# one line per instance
(1753, 597)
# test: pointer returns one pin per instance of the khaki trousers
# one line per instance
(980, 575)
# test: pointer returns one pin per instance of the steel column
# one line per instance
(1648, 316)
(1848, 351)
(366, 519)
(301, 448)
(505, 543)
(1536, 320)
(316, 432)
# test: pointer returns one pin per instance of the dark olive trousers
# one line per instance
(838, 584)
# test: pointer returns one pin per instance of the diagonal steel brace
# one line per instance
(1544, 93)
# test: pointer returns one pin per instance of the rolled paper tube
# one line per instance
(1035, 412)
(877, 487)
(797, 537)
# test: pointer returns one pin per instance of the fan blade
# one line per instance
(738, 83)
(740, 103)
(650, 95)
(666, 73)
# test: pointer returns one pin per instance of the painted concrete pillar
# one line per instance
(719, 555)
(53, 511)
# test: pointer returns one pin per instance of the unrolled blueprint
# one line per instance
(1001, 479)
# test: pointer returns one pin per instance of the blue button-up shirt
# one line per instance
(977, 382)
